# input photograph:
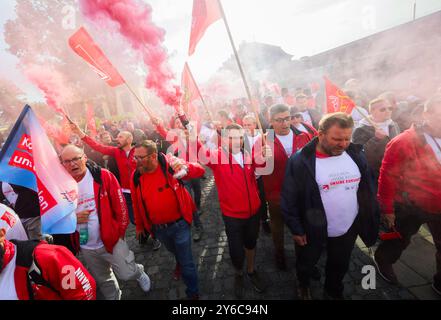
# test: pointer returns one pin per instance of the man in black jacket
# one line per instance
(375, 139)
(328, 199)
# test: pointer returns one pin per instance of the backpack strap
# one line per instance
(26, 259)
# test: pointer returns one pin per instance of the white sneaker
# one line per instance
(144, 282)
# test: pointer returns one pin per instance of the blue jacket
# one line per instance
(302, 206)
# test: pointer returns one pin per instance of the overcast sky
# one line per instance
(300, 27)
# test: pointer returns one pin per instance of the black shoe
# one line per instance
(437, 288)
(239, 287)
(316, 275)
(156, 244)
(304, 293)
(143, 240)
(197, 234)
(266, 226)
(258, 283)
(386, 271)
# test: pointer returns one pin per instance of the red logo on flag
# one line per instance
(9, 218)
(45, 198)
(25, 143)
(22, 160)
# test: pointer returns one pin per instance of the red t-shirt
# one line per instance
(159, 198)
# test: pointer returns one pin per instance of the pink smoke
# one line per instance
(51, 83)
(134, 21)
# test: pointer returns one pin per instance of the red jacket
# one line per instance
(65, 276)
(273, 182)
(410, 172)
(111, 206)
(236, 186)
(185, 201)
(126, 164)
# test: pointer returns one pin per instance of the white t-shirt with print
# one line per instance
(86, 201)
(338, 179)
(287, 142)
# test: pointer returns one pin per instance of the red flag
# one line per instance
(82, 43)
(190, 93)
(205, 12)
(336, 99)
(90, 118)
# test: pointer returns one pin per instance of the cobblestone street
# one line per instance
(216, 274)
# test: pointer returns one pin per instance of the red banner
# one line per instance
(83, 45)
(336, 99)
(205, 12)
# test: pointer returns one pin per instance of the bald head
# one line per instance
(74, 161)
(124, 140)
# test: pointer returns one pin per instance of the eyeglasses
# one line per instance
(139, 158)
(282, 120)
(73, 160)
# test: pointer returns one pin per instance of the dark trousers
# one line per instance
(241, 234)
(128, 198)
(408, 220)
(338, 251)
(277, 228)
(193, 186)
(263, 210)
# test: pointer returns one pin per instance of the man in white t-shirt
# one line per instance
(102, 221)
(328, 199)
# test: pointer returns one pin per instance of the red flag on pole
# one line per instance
(205, 12)
(90, 118)
(190, 93)
(82, 43)
(336, 99)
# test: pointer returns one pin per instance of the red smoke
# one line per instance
(51, 83)
(134, 21)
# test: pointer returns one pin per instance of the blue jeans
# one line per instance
(177, 240)
(192, 188)
(128, 198)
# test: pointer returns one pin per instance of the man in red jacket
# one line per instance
(409, 189)
(35, 270)
(235, 175)
(123, 154)
(102, 222)
(164, 207)
(287, 141)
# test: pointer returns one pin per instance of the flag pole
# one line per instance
(200, 95)
(247, 89)
(149, 112)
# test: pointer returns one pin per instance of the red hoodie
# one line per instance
(126, 164)
(273, 182)
(410, 172)
(236, 186)
(58, 267)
